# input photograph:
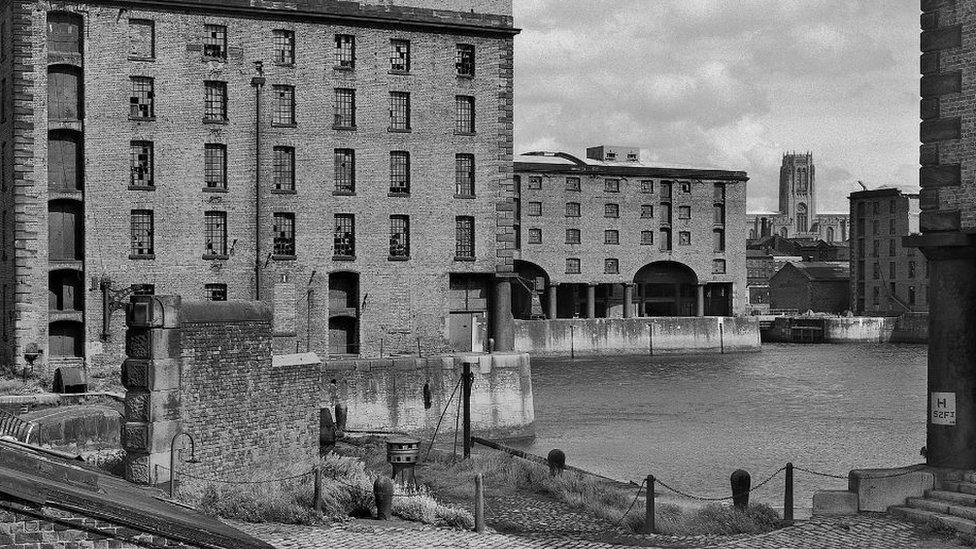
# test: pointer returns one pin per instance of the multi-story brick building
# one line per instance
(798, 216)
(887, 278)
(609, 235)
(347, 161)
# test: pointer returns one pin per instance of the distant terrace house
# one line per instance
(611, 236)
(821, 287)
(288, 152)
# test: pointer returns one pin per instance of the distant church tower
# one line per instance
(797, 191)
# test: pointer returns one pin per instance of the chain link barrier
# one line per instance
(241, 482)
(632, 503)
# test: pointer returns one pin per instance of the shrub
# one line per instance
(426, 510)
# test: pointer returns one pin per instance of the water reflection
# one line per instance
(692, 420)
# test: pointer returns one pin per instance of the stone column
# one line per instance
(551, 292)
(700, 310)
(151, 377)
(628, 300)
(952, 349)
(502, 319)
(591, 300)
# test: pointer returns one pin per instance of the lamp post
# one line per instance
(172, 459)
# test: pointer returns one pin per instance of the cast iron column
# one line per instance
(504, 323)
(700, 310)
(628, 300)
(552, 300)
(591, 301)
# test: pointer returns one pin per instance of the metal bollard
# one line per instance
(383, 494)
(479, 503)
(317, 490)
(788, 496)
(341, 415)
(557, 462)
(741, 481)
(650, 520)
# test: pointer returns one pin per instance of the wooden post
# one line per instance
(381, 348)
(479, 503)
(317, 490)
(788, 495)
(572, 341)
(721, 336)
(466, 399)
(650, 338)
(649, 520)
(419, 353)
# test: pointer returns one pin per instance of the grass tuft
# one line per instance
(425, 509)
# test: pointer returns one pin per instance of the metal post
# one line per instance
(381, 348)
(788, 495)
(466, 398)
(650, 338)
(479, 503)
(317, 490)
(572, 341)
(419, 353)
(721, 337)
(649, 520)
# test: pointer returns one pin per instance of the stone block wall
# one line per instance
(19, 532)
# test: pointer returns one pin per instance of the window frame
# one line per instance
(142, 98)
(283, 166)
(215, 102)
(142, 232)
(573, 209)
(573, 185)
(464, 176)
(533, 209)
(345, 109)
(284, 245)
(464, 115)
(215, 42)
(399, 111)
(215, 230)
(283, 42)
(611, 210)
(344, 176)
(215, 291)
(283, 114)
(576, 236)
(535, 236)
(403, 55)
(340, 60)
(399, 173)
(399, 238)
(465, 60)
(464, 249)
(611, 237)
(138, 148)
(611, 265)
(573, 265)
(214, 175)
(344, 237)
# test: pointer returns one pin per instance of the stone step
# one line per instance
(936, 520)
(952, 497)
(961, 487)
(943, 507)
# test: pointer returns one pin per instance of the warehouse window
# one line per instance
(611, 266)
(647, 211)
(215, 41)
(535, 236)
(344, 236)
(284, 169)
(284, 108)
(572, 265)
(684, 238)
(143, 98)
(535, 183)
(572, 209)
(572, 184)
(399, 111)
(464, 60)
(464, 175)
(142, 39)
(611, 185)
(64, 32)
(215, 292)
(284, 234)
(399, 172)
(215, 103)
(572, 236)
(345, 171)
(465, 238)
(399, 237)
(666, 242)
(611, 210)
(718, 266)
(400, 55)
(345, 108)
(647, 186)
(719, 239)
(464, 114)
(345, 51)
(534, 208)
(141, 229)
(215, 234)
(141, 164)
(684, 212)
(215, 166)
(284, 47)
(647, 238)
(611, 237)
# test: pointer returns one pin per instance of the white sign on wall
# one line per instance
(943, 409)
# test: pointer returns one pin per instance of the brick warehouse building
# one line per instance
(349, 162)
(609, 235)
(887, 278)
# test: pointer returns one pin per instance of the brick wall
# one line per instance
(21, 533)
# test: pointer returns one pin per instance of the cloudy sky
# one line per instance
(726, 83)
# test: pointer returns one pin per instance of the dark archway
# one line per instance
(529, 291)
(666, 288)
(344, 313)
(66, 338)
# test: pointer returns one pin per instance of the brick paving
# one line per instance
(862, 532)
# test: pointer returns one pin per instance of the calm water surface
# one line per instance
(692, 420)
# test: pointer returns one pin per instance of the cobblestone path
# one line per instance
(861, 532)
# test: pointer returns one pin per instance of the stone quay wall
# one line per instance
(908, 328)
(388, 394)
(637, 335)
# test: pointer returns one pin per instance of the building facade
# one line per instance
(348, 162)
(610, 236)
(798, 216)
(818, 286)
(887, 278)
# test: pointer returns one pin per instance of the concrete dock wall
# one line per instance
(388, 394)
(637, 335)
(908, 328)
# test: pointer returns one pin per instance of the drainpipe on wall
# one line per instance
(258, 83)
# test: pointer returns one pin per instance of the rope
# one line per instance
(703, 498)
(632, 503)
(819, 474)
(443, 412)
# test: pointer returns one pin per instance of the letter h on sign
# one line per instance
(943, 409)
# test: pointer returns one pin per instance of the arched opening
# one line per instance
(529, 291)
(344, 313)
(666, 288)
(66, 339)
(64, 32)
(65, 230)
(801, 176)
(66, 291)
(801, 218)
(65, 171)
(65, 98)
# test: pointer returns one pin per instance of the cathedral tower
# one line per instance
(797, 191)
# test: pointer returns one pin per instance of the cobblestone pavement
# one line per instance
(862, 532)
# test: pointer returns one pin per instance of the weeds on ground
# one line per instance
(13, 385)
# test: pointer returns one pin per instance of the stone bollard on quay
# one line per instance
(557, 462)
(383, 494)
(741, 482)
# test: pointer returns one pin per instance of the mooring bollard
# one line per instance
(572, 342)
(741, 481)
(341, 414)
(479, 503)
(649, 518)
(788, 496)
(650, 339)
(383, 494)
(317, 490)
(557, 461)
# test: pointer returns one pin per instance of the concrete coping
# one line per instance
(297, 359)
(209, 312)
